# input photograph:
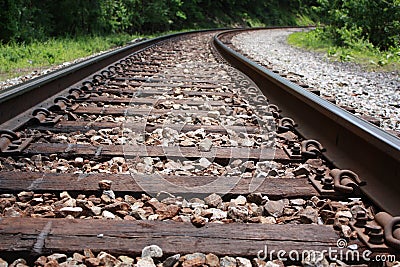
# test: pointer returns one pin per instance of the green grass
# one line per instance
(360, 52)
(303, 20)
(19, 59)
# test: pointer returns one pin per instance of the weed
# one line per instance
(16, 57)
(354, 49)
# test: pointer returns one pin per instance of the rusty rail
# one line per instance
(17, 99)
(351, 143)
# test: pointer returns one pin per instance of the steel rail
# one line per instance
(351, 142)
(19, 98)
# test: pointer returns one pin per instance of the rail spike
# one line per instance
(391, 226)
(98, 79)
(74, 93)
(106, 74)
(61, 103)
(11, 135)
(87, 86)
(346, 181)
(286, 124)
(11, 142)
(311, 148)
(44, 116)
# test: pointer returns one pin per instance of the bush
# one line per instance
(374, 21)
(29, 20)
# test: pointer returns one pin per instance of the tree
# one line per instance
(374, 20)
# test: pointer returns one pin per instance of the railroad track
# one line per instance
(137, 147)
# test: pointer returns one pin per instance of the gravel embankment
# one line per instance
(375, 94)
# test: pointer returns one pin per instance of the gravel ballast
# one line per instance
(375, 94)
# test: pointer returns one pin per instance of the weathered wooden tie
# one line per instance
(274, 188)
(228, 153)
(29, 235)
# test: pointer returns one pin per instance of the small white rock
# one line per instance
(74, 211)
(353, 247)
(240, 200)
(203, 162)
(205, 145)
(96, 210)
(108, 215)
(145, 262)
(213, 114)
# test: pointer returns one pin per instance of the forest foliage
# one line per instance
(351, 22)
(345, 21)
(26, 20)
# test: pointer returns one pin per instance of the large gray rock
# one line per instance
(205, 145)
(238, 213)
(152, 251)
(274, 208)
(308, 215)
(213, 200)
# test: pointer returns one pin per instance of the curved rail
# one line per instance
(351, 142)
(16, 99)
